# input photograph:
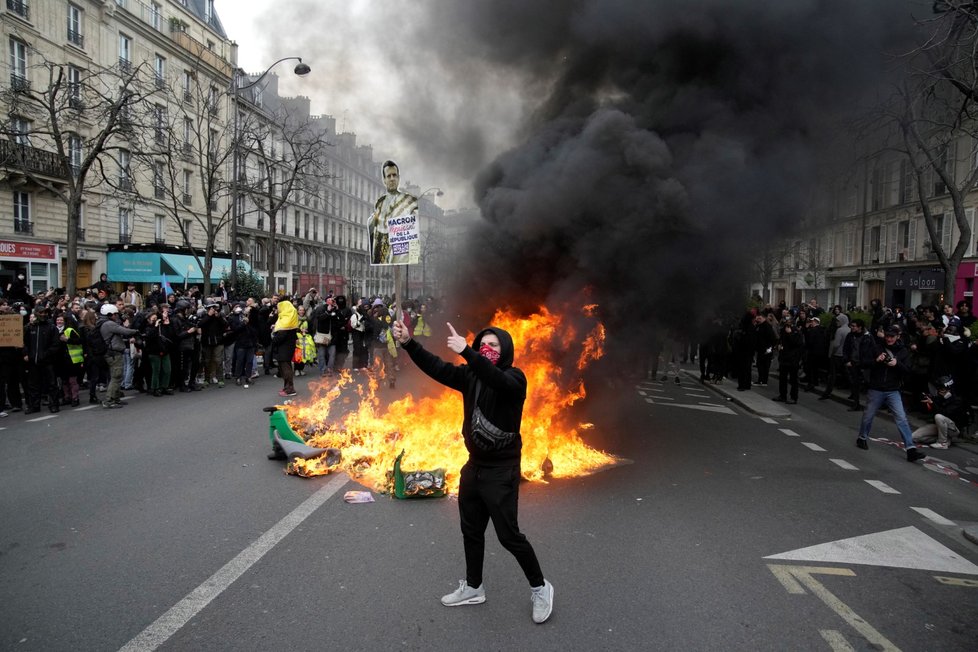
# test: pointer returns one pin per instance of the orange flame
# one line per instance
(429, 429)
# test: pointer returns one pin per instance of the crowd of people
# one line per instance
(918, 360)
(107, 343)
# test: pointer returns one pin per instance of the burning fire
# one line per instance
(429, 429)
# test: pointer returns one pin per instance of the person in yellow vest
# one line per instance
(71, 366)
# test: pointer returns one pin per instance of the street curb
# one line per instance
(971, 533)
(750, 400)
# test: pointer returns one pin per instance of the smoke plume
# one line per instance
(657, 145)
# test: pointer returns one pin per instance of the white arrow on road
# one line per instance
(905, 547)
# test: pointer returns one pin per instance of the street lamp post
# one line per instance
(301, 69)
(438, 193)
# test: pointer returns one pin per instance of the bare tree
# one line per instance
(67, 133)
(932, 120)
(289, 157)
(183, 155)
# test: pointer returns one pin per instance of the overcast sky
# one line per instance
(371, 74)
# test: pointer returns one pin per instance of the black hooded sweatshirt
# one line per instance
(501, 396)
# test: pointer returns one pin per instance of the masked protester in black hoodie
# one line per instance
(493, 392)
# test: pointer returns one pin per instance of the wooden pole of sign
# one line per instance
(398, 291)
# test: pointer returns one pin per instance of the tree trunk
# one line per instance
(272, 256)
(71, 253)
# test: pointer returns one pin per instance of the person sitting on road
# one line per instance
(950, 416)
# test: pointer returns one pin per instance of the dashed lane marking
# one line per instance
(836, 640)
(957, 581)
(87, 407)
(882, 486)
(44, 418)
(768, 420)
(658, 398)
(790, 433)
(933, 516)
(845, 465)
(641, 393)
(815, 447)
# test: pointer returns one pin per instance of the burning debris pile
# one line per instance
(371, 436)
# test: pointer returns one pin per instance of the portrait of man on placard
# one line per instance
(393, 225)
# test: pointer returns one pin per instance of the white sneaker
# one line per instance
(942, 446)
(3, 414)
(543, 602)
(464, 594)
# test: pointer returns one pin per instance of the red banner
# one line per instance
(12, 249)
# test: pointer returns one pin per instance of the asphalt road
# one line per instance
(163, 526)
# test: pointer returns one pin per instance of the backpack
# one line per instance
(94, 342)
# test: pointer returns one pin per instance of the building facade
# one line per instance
(161, 188)
(875, 245)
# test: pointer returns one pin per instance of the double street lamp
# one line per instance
(301, 69)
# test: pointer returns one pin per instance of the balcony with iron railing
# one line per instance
(25, 227)
(198, 50)
(19, 83)
(20, 8)
(76, 38)
(32, 160)
(80, 233)
(125, 238)
(187, 199)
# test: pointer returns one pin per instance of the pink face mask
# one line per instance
(489, 353)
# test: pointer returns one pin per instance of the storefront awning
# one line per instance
(146, 267)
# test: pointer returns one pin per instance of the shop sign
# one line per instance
(12, 249)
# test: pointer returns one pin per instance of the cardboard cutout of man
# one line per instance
(392, 206)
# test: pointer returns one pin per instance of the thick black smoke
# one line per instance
(662, 142)
(674, 139)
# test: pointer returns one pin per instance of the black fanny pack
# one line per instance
(485, 435)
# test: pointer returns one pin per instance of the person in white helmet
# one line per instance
(116, 338)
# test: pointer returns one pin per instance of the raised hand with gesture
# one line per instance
(456, 342)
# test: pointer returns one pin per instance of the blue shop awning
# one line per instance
(135, 266)
(185, 268)
(146, 267)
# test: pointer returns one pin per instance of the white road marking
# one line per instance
(87, 407)
(932, 515)
(796, 579)
(704, 408)
(790, 433)
(710, 404)
(44, 418)
(846, 465)
(814, 447)
(768, 420)
(658, 398)
(180, 614)
(905, 547)
(836, 640)
(642, 394)
(697, 395)
(882, 486)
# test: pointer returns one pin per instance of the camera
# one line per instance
(887, 358)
